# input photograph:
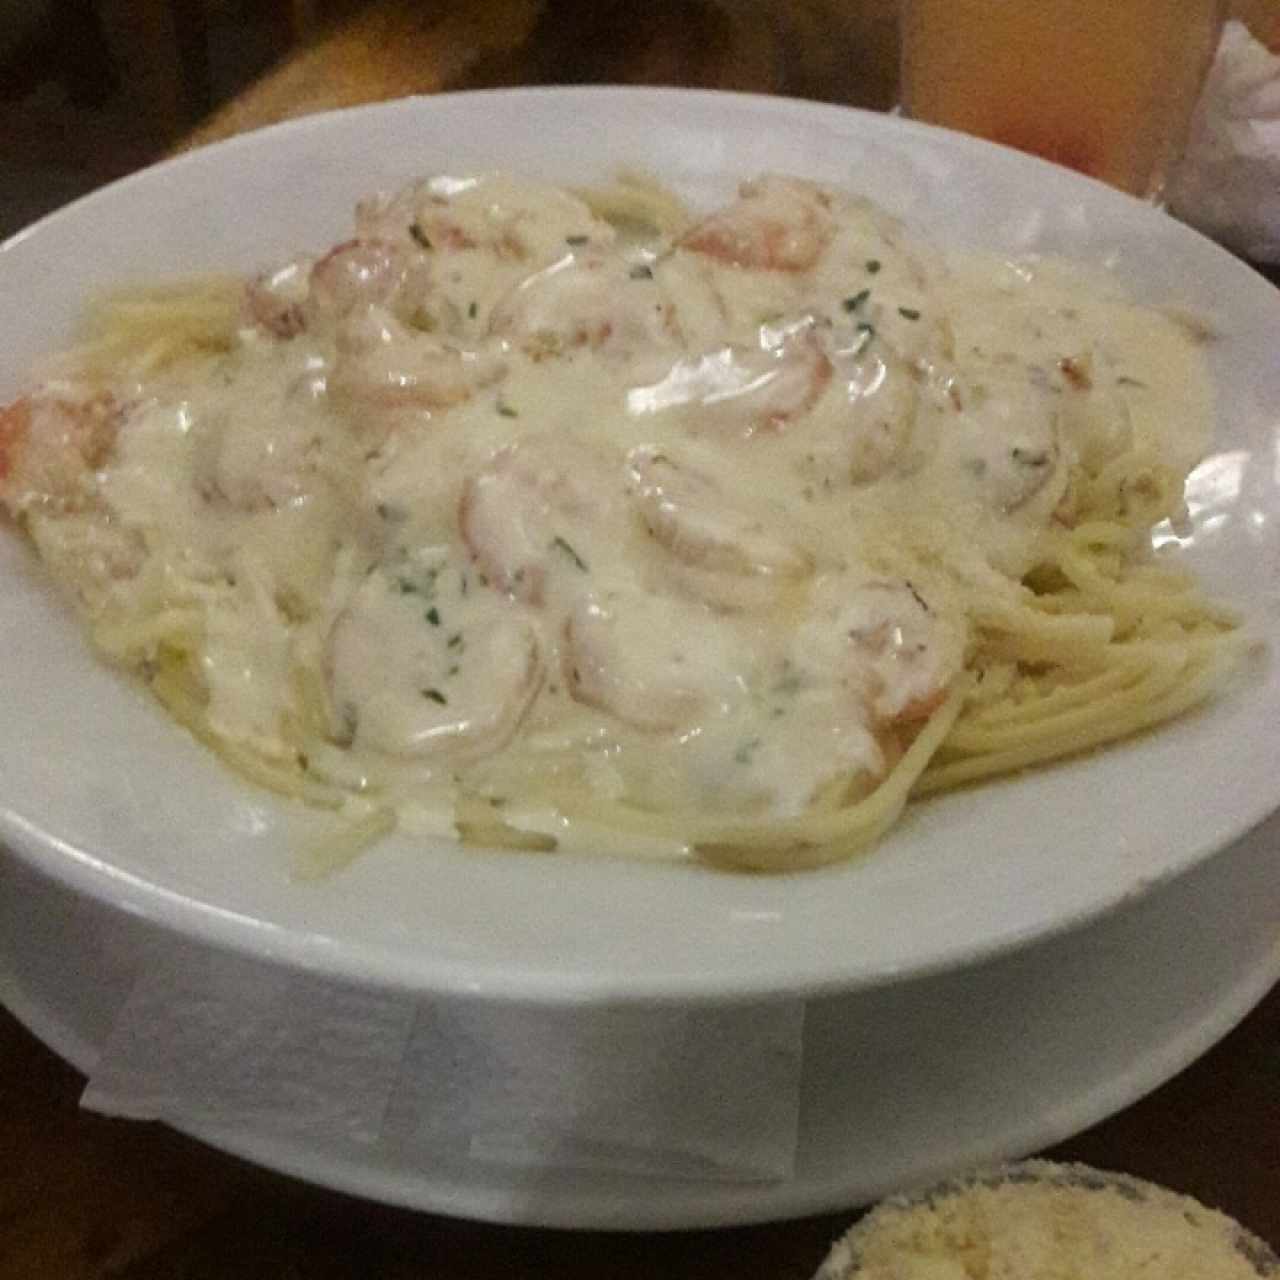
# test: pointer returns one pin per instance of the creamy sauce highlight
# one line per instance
(530, 501)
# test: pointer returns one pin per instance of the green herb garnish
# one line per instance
(873, 265)
(560, 544)
(641, 272)
(576, 240)
(433, 616)
(1029, 457)
(909, 313)
(506, 410)
(789, 683)
(424, 586)
(419, 235)
(423, 320)
(851, 304)
(436, 696)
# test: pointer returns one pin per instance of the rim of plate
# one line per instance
(369, 963)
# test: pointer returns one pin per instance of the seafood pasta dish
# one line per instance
(572, 519)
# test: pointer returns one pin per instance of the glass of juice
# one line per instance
(1103, 86)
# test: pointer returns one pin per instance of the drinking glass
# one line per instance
(1103, 86)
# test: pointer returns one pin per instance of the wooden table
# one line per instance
(81, 1196)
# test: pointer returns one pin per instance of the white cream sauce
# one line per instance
(532, 503)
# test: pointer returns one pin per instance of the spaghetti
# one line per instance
(585, 521)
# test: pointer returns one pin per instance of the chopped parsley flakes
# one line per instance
(561, 545)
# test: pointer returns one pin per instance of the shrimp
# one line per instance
(50, 448)
(360, 273)
(15, 423)
(862, 426)
(517, 223)
(354, 274)
(600, 303)
(540, 509)
(691, 517)
(1095, 415)
(268, 449)
(777, 224)
(878, 644)
(274, 300)
(1000, 433)
(655, 663)
(418, 669)
(806, 751)
(387, 366)
(742, 390)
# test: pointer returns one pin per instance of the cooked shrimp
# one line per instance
(1000, 434)
(880, 644)
(354, 274)
(810, 750)
(50, 447)
(360, 273)
(1095, 415)
(862, 426)
(540, 508)
(777, 224)
(274, 300)
(586, 301)
(388, 366)
(742, 390)
(693, 518)
(270, 448)
(15, 423)
(417, 669)
(655, 663)
(871, 247)
(514, 222)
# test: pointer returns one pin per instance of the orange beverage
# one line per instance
(1103, 86)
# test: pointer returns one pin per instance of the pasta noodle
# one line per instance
(254, 497)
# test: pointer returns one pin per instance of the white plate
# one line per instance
(100, 790)
(902, 1085)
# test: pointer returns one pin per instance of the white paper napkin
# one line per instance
(1228, 184)
(218, 1040)
(711, 1093)
(223, 1042)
